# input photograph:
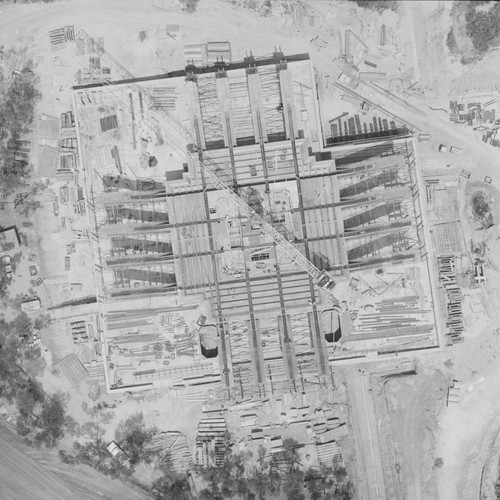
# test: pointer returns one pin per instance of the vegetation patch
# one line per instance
(474, 30)
(189, 5)
(378, 5)
(263, 7)
(18, 97)
(482, 209)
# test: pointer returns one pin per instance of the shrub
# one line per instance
(189, 5)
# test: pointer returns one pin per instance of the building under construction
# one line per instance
(234, 245)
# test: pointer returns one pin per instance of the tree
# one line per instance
(52, 421)
(189, 5)
(100, 414)
(171, 488)
(293, 484)
(290, 446)
(12, 376)
(482, 27)
(29, 396)
(132, 434)
(379, 5)
(451, 42)
(95, 455)
(17, 106)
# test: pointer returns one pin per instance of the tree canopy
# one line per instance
(18, 99)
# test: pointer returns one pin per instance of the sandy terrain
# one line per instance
(412, 403)
(49, 478)
(467, 431)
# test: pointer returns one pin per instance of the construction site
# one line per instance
(263, 234)
(236, 244)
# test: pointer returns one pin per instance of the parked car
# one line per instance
(7, 266)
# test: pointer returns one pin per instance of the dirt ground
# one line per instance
(412, 404)
(467, 433)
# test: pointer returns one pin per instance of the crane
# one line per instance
(219, 178)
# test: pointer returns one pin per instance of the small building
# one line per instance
(31, 305)
(479, 276)
(9, 238)
(453, 396)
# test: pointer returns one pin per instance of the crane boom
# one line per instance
(220, 179)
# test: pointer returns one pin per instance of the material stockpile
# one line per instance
(327, 432)
(210, 441)
(398, 316)
(454, 316)
(171, 447)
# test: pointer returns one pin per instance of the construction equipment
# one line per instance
(219, 178)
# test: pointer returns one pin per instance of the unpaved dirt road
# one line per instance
(366, 437)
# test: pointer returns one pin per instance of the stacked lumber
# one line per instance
(171, 447)
(454, 315)
(210, 441)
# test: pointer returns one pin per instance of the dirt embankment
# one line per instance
(489, 475)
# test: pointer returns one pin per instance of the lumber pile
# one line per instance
(454, 316)
(171, 447)
(210, 441)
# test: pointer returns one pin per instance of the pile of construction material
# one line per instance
(460, 115)
(61, 36)
(475, 114)
(207, 54)
(171, 447)
(211, 442)
(454, 316)
(453, 396)
(327, 430)
(68, 161)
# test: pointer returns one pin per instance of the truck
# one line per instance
(7, 266)
(118, 453)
